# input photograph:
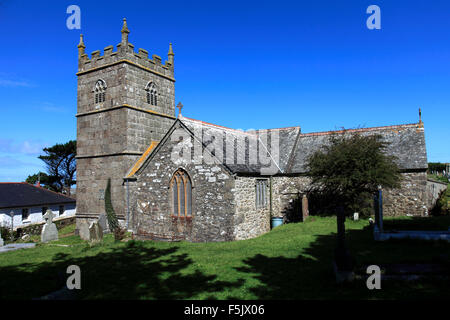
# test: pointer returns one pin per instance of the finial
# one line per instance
(420, 116)
(81, 47)
(170, 54)
(125, 27)
(81, 44)
(125, 33)
(179, 106)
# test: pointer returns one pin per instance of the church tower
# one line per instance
(124, 102)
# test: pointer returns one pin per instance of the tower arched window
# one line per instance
(181, 194)
(152, 94)
(99, 91)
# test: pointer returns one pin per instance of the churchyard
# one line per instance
(293, 261)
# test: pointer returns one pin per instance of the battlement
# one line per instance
(125, 53)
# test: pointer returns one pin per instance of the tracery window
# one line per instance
(99, 91)
(181, 194)
(152, 94)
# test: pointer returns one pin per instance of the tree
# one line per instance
(350, 168)
(44, 179)
(111, 216)
(61, 167)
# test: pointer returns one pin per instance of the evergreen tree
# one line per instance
(113, 222)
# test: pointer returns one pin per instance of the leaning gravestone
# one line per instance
(49, 231)
(95, 232)
(103, 222)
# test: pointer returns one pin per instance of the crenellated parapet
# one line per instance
(125, 53)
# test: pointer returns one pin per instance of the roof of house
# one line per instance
(22, 194)
(406, 142)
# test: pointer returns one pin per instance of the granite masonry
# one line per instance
(184, 179)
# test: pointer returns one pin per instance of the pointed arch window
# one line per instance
(99, 91)
(152, 94)
(181, 194)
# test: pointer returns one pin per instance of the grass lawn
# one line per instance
(290, 262)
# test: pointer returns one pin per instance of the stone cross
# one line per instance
(49, 230)
(48, 216)
(179, 106)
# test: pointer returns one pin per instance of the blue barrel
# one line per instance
(277, 221)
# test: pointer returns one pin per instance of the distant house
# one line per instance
(29, 203)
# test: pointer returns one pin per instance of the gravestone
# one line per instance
(49, 231)
(356, 216)
(1, 240)
(305, 210)
(103, 222)
(83, 230)
(95, 232)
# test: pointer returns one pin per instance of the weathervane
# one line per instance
(420, 116)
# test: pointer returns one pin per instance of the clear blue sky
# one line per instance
(241, 64)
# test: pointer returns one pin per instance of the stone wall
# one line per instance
(249, 222)
(434, 190)
(409, 199)
(213, 203)
(287, 193)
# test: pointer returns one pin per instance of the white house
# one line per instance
(29, 203)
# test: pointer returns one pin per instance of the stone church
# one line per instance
(176, 178)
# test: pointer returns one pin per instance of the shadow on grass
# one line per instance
(438, 223)
(310, 274)
(135, 271)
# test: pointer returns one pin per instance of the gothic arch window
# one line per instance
(152, 94)
(181, 194)
(99, 91)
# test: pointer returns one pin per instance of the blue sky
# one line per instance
(241, 64)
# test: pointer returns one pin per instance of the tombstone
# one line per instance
(95, 232)
(103, 222)
(1, 240)
(83, 230)
(305, 210)
(49, 231)
(356, 216)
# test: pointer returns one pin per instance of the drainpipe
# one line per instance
(270, 196)
(128, 207)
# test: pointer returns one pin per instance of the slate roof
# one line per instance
(245, 143)
(22, 194)
(407, 143)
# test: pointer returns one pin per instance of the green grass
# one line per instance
(290, 262)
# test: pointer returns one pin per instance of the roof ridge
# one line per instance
(320, 133)
(215, 125)
(45, 189)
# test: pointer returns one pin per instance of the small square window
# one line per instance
(25, 213)
(101, 194)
